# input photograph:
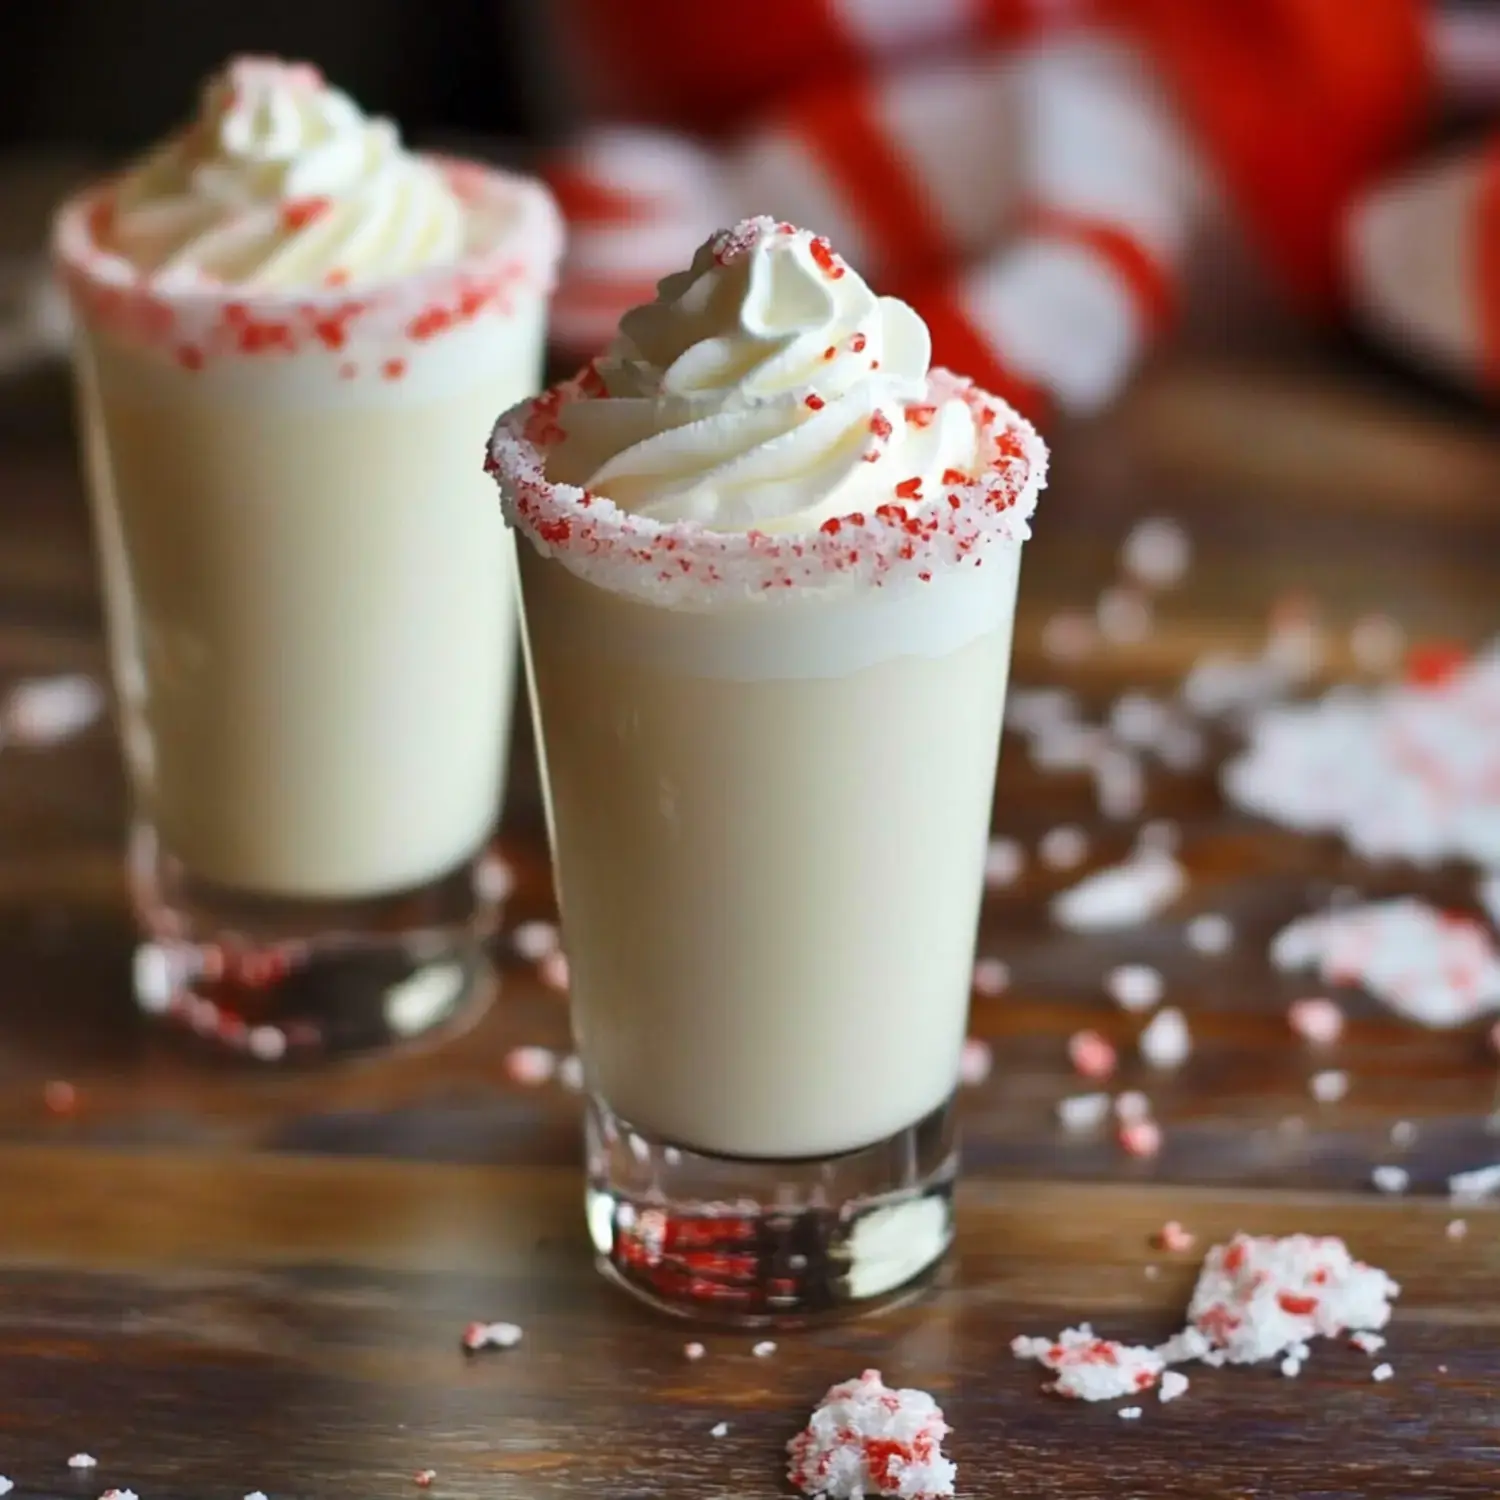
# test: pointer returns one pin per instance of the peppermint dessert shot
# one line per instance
(292, 336)
(768, 567)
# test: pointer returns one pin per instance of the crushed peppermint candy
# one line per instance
(1132, 1105)
(1367, 1343)
(1092, 1055)
(1156, 553)
(694, 1350)
(1063, 847)
(423, 1478)
(479, 1336)
(765, 1349)
(1172, 1236)
(991, 976)
(535, 940)
(975, 1061)
(719, 1429)
(1140, 1138)
(1166, 1042)
(1403, 1134)
(1316, 1019)
(1257, 1297)
(553, 970)
(1475, 1186)
(1004, 860)
(570, 1072)
(1456, 1229)
(1129, 1413)
(1088, 1368)
(1437, 968)
(1134, 987)
(531, 1066)
(1410, 771)
(1209, 933)
(1172, 1385)
(1387, 1179)
(83, 1461)
(1381, 1373)
(1329, 1086)
(39, 712)
(865, 1439)
(494, 880)
(1081, 1112)
(1123, 895)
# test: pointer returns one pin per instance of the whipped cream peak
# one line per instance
(282, 181)
(767, 387)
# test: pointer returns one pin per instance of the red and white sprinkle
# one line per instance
(423, 1478)
(1166, 1042)
(1134, 987)
(1088, 1368)
(1141, 1138)
(1123, 895)
(1172, 1236)
(1092, 1054)
(479, 1336)
(865, 1439)
(1316, 1019)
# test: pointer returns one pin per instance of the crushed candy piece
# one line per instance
(1092, 1055)
(1172, 1236)
(531, 1066)
(1132, 1105)
(1004, 860)
(1063, 847)
(1128, 1413)
(1123, 895)
(1166, 1042)
(694, 1350)
(975, 1061)
(865, 1439)
(1141, 1138)
(535, 940)
(1457, 1229)
(1210, 934)
(1381, 1372)
(423, 1478)
(719, 1429)
(765, 1349)
(991, 976)
(1134, 987)
(39, 712)
(1476, 1186)
(83, 1461)
(1316, 1019)
(1329, 1086)
(1080, 1112)
(570, 1072)
(1069, 635)
(1088, 1368)
(553, 970)
(1436, 968)
(479, 1336)
(1123, 615)
(1156, 553)
(1390, 1179)
(1173, 1384)
(1367, 1343)
(1258, 1297)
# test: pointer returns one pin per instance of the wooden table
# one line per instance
(219, 1281)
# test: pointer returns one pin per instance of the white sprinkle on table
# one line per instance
(1063, 847)
(1134, 987)
(1129, 1413)
(1381, 1372)
(764, 1349)
(83, 1461)
(1211, 933)
(1080, 1112)
(1173, 1384)
(1166, 1042)
(719, 1429)
(1329, 1086)
(1390, 1179)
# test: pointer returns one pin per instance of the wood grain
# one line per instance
(217, 1279)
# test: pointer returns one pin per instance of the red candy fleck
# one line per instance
(858, 342)
(829, 352)
(813, 401)
(190, 357)
(393, 369)
(823, 258)
(920, 416)
(1298, 1307)
(880, 425)
(955, 476)
(1434, 663)
(910, 489)
(298, 213)
(338, 276)
(832, 526)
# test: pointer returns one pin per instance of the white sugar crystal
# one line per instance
(1166, 1042)
(1156, 553)
(765, 1349)
(536, 940)
(1131, 1107)
(1427, 965)
(1063, 847)
(43, 711)
(1123, 895)
(83, 1461)
(865, 1439)
(1259, 1297)
(1329, 1086)
(1390, 1179)
(1173, 1384)
(1080, 1112)
(1381, 1372)
(1124, 615)
(719, 1429)
(1129, 1413)
(1134, 987)
(1475, 1186)
(1210, 933)
(1004, 860)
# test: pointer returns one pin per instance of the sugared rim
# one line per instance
(201, 320)
(684, 565)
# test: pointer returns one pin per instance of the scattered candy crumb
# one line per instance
(1156, 553)
(479, 1336)
(1132, 1105)
(1064, 847)
(719, 1429)
(1381, 1372)
(975, 1062)
(1390, 1179)
(1166, 1042)
(1173, 1384)
(1457, 1229)
(423, 1478)
(535, 940)
(60, 1097)
(1329, 1086)
(1134, 987)
(570, 1072)
(552, 970)
(1366, 1342)
(1092, 1054)
(764, 1349)
(1080, 1112)
(1475, 1186)
(83, 1461)
(991, 976)
(1172, 1236)
(1141, 1138)
(1316, 1019)
(1128, 1413)
(1123, 895)
(694, 1350)
(531, 1066)
(1210, 933)
(1004, 860)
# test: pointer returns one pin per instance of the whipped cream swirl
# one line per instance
(283, 182)
(767, 388)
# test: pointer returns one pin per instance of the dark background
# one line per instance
(111, 76)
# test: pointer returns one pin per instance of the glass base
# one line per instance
(769, 1243)
(277, 981)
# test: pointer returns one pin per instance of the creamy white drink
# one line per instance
(294, 334)
(769, 564)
